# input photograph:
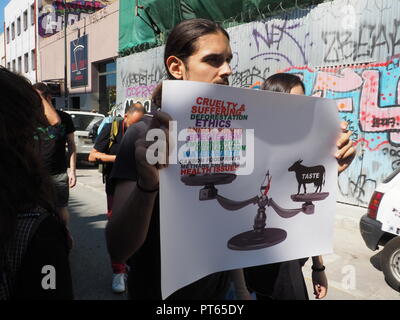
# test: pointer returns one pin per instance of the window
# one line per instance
(13, 31)
(8, 66)
(107, 86)
(13, 65)
(19, 26)
(32, 14)
(8, 34)
(107, 67)
(19, 64)
(26, 63)
(25, 21)
(33, 59)
(84, 122)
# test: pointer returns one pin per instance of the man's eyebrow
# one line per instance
(216, 56)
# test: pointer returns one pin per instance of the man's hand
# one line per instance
(71, 179)
(148, 174)
(346, 153)
(320, 284)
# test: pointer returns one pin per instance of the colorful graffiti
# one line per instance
(365, 94)
(368, 98)
(139, 86)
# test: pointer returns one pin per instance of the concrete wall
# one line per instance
(102, 31)
(344, 50)
(23, 43)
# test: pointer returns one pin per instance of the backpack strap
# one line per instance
(113, 138)
(26, 227)
(113, 133)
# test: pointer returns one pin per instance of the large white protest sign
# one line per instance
(255, 180)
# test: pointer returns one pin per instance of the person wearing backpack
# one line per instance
(34, 262)
(104, 151)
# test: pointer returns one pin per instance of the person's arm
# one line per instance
(346, 152)
(319, 279)
(96, 155)
(72, 159)
(134, 196)
(127, 228)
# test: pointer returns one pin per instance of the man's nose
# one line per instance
(226, 70)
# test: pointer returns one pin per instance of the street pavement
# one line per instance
(90, 264)
(352, 269)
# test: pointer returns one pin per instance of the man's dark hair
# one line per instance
(282, 82)
(182, 40)
(43, 88)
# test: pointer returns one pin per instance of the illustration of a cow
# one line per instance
(306, 175)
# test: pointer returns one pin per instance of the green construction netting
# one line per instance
(158, 17)
(133, 31)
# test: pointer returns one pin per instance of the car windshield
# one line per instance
(84, 122)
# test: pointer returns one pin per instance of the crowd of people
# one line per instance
(37, 174)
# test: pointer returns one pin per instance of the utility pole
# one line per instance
(66, 104)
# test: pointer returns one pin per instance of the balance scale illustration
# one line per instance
(261, 236)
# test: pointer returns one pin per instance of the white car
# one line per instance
(381, 227)
(84, 122)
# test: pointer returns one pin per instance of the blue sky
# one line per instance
(3, 3)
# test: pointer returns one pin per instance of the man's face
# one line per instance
(210, 62)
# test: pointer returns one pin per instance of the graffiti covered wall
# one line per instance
(344, 50)
(137, 77)
(367, 97)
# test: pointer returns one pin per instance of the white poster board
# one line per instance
(208, 211)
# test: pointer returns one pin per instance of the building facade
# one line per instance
(2, 51)
(91, 47)
(20, 37)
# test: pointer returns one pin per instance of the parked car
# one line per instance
(381, 227)
(84, 122)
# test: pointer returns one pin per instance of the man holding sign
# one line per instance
(197, 50)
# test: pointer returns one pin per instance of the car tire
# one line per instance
(390, 263)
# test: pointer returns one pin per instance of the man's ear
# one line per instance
(176, 67)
